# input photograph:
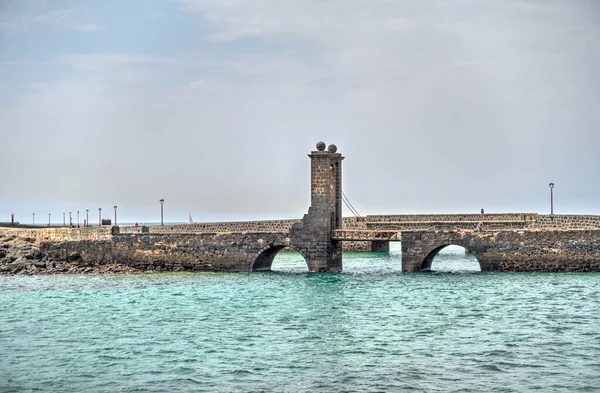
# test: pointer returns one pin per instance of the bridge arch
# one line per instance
(428, 260)
(263, 259)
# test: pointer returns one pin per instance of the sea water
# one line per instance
(371, 328)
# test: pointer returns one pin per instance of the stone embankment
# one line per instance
(23, 255)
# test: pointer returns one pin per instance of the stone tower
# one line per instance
(313, 234)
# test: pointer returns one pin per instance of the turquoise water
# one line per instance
(371, 328)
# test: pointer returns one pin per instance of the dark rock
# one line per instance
(74, 257)
(39, 263)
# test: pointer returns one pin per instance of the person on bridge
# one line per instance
(479, 226)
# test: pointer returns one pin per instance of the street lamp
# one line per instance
(64, 222)
(70, 220)
(87, 217)
(162, 202)
(49, 219)
(33, 222)
(77, 218)
(551, 185)
(99, 216)
(115, 207)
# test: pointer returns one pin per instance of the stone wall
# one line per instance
(530, 250)
(361, 246)
(566, 222)
(414, 222)
(399, 218)
(234, 226)
(60, 234)
(134, 229)
(234, 252)
(445, 225)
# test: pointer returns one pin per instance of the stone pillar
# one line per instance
(380, 246)
(313, 234)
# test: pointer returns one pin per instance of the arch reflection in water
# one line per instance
(451, 258)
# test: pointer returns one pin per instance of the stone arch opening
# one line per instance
(451, 258)
(263, 259)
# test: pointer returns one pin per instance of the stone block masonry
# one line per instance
(518, 250)
(233, 252)
(138, 252)
(312, 236)
(233, 226)
(59, 234)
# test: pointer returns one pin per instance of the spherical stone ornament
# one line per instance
(332, 148)
(320, 146)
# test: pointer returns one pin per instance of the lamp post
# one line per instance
(162, 202)
(99, 216)
(33, 221)
(70, 220)
(49, 219)
(87, 217)
(115, 207)
(77, 218)
(64, 222)
(551, 185)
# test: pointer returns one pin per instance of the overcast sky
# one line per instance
(437, 105)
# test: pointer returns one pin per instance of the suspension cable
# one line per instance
(349, 208)
(349, 204)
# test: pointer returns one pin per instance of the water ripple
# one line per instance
(368, 329)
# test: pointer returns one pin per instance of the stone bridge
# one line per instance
(509, 241)
(508, 250)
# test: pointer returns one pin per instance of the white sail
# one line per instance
(190, 221)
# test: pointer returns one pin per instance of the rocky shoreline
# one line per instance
(22, 256)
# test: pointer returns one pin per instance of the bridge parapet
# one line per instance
(445, 225)
(232, 226)
(565, 221)
(413, 218)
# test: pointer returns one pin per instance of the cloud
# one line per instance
(438, 107)
(21, 17)
(302, 20)
(88, 28)
(16, 22)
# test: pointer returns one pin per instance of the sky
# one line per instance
(439, 106)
